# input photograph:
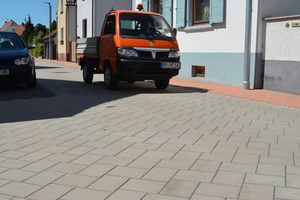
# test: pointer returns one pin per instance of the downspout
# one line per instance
(247, 53)
(92, 18)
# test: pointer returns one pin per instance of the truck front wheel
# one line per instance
(162, 84)
(87, 73)
(110, 79)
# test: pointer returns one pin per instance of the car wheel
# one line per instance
(110, 79)
(87, 73)
(162, 84)
(32, 82)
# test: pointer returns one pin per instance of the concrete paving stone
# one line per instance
(157, 140)
(74, 180)
(57, 157)
(96, 144)
(214, 137)
(216, 157)
(162, 197)
(144, 163)
(287, 193)
(81, 193)
(145, 146)
(220, 149)
(108, 183)
(222, 132)
(238, 167)
(281, 153)
(79, 151)
(207, 142)
(28, 141)
(271, 169)
(174, 164)
(196, 148)
(131, 153)
(44, 178)
(35, 156)
(96, 170)
(18, 189)
(259, 179)
(180, 188)
(11, 146)
(187, 156)
(125, 194)
(87, 159)
(32, 148)
(115, 160)
(6, 197)
(191, 136)
(160, 174)
(16, 175)
(146, 186)
(206, 166)
(229, 178)
(72, 143)
(246, 159)
(129, 172)
(217, 190)
(196, 176)
(49, 141)
(293, 181)
(14, 164)
(182, 141)
(12, 154)
(258, 145)
(293, 170)
(133, 139)
(105, 152)
(67, 168)
(276, 160)
(202, 197)
(253, 192)
(158, 154)
(250, 151)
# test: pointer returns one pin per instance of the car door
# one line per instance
(107, 44)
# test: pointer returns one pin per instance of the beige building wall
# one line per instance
(62, 40)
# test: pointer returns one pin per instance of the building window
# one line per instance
(198, 71)
(84, 28)
(62, 36)
(201, 11)
(158, 6)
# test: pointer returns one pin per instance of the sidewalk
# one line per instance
(267, 96)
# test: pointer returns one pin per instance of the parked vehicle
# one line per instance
(133, 46)
(16, 63)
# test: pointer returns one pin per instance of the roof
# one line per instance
(20, 29)
(6, 26)
(52, 34)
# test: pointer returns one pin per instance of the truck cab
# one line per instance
(133, 46)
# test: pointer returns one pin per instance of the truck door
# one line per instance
(107, 44)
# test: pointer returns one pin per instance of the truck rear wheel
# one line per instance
(162, 84)
(110, 79)
(87, 72)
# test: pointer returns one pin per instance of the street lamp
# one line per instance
(49, 30)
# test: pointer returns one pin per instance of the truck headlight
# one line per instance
(174, 54)
(128, 52)
(22, 61)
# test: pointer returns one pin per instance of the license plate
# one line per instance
(4, 72)
(170, 65)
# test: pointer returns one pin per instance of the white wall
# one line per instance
(84, 11)
(72, 23)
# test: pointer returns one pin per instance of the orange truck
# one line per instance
(133, 46)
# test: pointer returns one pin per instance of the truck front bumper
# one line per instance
(140, 70)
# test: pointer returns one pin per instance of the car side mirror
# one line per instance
(31, 46)
(175, 31)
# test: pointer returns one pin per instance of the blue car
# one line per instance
(16, 63)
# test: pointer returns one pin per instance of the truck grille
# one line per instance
(147, 54)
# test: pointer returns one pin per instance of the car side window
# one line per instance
(110, 25)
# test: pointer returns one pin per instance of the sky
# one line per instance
(18, 10)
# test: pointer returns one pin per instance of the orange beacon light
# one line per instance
(140, 7)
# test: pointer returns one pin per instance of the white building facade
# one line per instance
(91, 15)
(211, 36)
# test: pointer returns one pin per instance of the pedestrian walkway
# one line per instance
(267, 96)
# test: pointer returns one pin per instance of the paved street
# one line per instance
(68, 140)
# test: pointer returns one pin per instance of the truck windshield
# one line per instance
(145, 26)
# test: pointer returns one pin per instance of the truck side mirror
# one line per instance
(175, 31)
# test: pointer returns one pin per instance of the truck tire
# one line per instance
(110, 79)
(162, 84)
(87, 72)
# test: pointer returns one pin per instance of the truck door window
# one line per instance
(110, 25)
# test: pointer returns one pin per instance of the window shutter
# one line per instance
(180, 14)
(167, 11)
(145, 4)
(216, 11)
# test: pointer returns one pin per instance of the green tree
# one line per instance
(52, 27)
(39, 50)
(39, 27)
(29, 28)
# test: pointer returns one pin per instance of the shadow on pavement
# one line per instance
(60, 98)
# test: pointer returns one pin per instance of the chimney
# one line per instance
(22, 23)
